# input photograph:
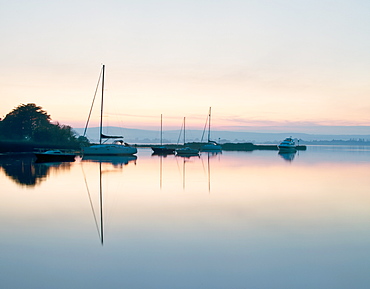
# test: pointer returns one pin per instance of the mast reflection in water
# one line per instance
(117, 162)
(263, 215)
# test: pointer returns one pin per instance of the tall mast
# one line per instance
(209, 125)
(161, 129)
(101, 105)
(184, 131)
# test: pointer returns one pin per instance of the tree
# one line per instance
(29, 122)
(23, 121)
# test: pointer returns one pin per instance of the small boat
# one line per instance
(55, 156)
(116, 148)
(287, 145)
(186, 151)
(162, 150)
(210, 146)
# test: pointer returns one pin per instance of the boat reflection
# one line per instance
(161, 156)
(116, 161)
(188, 156)
(288, 156)
(186, 159)
(104, 163)
(100, 228)
(211, 155)
(24, 171)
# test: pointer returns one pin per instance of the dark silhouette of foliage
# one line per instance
(23, 121)
(30, 123)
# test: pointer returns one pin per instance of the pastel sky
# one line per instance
(257, 63)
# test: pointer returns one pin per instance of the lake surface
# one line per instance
(233, 220)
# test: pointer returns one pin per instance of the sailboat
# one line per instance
(118, 147)
(211, 146)
(186, 151)
(162, 149)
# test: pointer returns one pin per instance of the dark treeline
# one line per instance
(357, 142)
(28, 126)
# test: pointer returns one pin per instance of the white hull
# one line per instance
(287, 148)
(109, 150)
(287, 145)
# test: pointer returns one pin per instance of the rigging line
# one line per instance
(110, 199)
(92, 105)
(204, 169)
(178, 167)
(205, 126)
(91, 204)
(178, 140)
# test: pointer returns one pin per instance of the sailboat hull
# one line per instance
(211, 147)
(163, 150)
(187, 151)
(109, 150)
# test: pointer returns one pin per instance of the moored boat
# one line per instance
(116, 148)
(54, 156)
(186, 151)
(287, 144)
(210, 146)
(162, 150)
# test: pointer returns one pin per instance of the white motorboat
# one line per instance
(118, 147)
(287, 144)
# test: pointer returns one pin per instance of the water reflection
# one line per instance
(160, 156)
(288, 156)
(262, 216)
(211, 155)
(103, 162)
(100, 229)
(188, 156)
(116, 161)
(24, 171)
(183, 161)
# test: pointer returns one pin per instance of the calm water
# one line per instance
(233, 220)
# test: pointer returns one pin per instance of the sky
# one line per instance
(259, 64)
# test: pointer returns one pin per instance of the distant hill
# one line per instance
(172, 136)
